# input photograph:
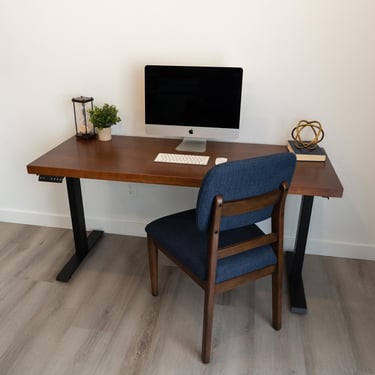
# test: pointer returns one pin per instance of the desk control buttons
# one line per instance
(46, 178)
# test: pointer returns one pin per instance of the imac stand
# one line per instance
(192, 145)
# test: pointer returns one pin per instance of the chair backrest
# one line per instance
(241, 179)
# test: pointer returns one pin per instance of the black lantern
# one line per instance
(84, 128)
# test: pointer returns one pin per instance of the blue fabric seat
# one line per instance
(218, 244)
(179, 234)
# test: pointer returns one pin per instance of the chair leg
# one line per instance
(277, 292)
(208, 318)
(153, 263)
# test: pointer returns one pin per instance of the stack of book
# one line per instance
(303, 154)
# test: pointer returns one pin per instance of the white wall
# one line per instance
(309, 59)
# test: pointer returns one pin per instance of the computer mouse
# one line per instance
(220, 160)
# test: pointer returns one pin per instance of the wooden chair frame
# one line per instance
(222, 209)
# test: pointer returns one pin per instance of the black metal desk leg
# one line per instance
(295, 259)
(82, 242)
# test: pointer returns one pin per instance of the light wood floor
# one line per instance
(105, 320)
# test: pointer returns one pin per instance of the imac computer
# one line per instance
(193, 102)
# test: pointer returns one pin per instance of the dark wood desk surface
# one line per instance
(130, 159)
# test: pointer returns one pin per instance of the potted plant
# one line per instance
(103, 118)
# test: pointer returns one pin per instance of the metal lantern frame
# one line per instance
(85, 129)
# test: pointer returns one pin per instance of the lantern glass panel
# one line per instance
(84, 128)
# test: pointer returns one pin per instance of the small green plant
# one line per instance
(104, 117)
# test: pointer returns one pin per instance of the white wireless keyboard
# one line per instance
(182, 159)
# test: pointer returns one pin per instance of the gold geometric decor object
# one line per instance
(317, 130)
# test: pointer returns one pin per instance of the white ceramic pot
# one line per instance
(105, 134)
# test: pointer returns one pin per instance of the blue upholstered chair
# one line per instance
(218, 244)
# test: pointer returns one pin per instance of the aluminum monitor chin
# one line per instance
(193, 102)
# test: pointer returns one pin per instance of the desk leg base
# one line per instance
(73, 263)
(296, 290)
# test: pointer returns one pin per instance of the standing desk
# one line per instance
(130, 159)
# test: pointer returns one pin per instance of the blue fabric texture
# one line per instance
(179, 235)
(239, 179)
(185, 236)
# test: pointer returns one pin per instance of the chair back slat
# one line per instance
(241, 206)
(237, 248)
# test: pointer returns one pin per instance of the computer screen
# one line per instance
(193, 102)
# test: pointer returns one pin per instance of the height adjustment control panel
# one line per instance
(45, 178)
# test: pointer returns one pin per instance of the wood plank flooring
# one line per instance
(105, 321)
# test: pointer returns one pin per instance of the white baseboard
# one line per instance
(334, 248)
(35, 218)
(117, 226)
(136, 228)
